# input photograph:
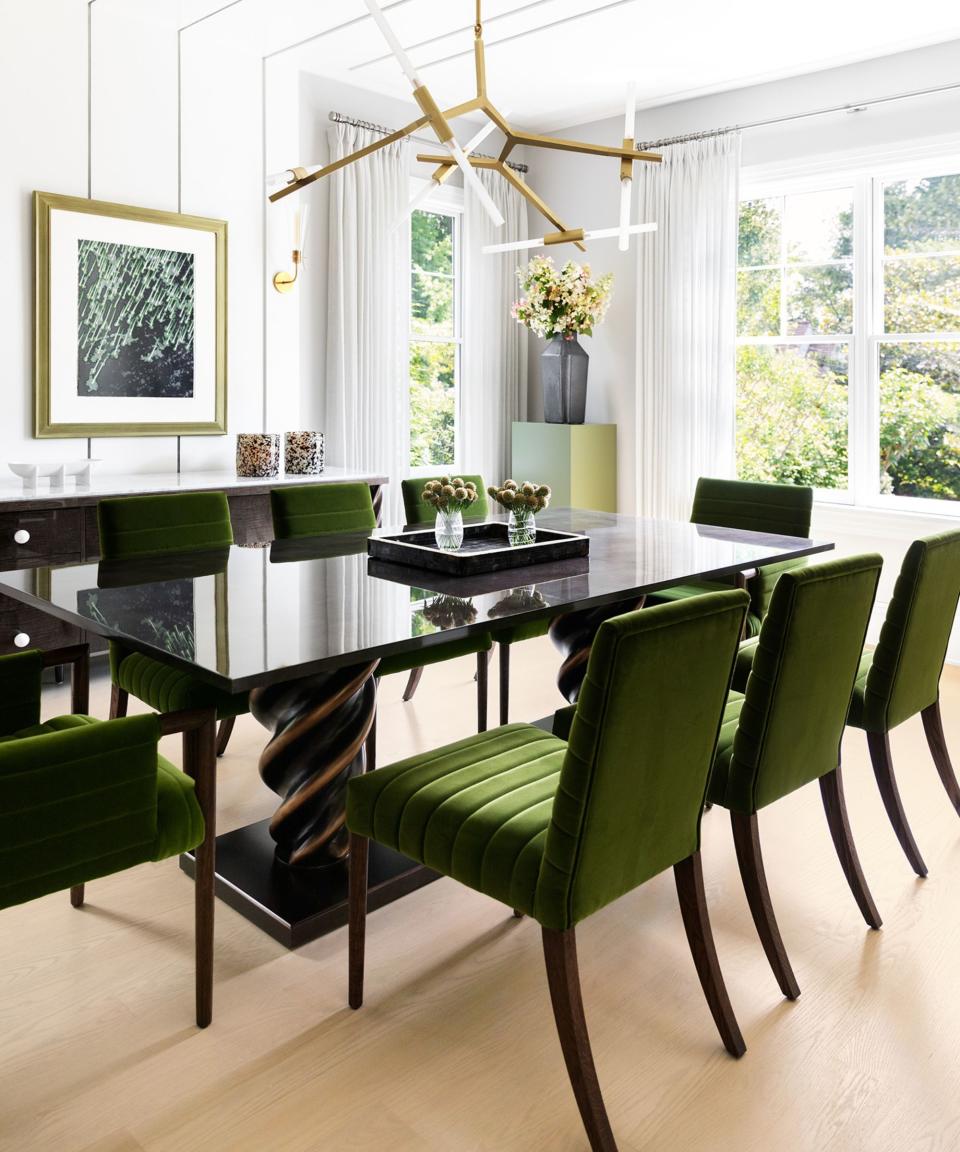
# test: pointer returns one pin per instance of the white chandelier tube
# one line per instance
(626, 184)
(470, 177)
(590, 234)
(626, 195)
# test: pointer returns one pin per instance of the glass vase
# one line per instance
(521, 527)
(448, 530)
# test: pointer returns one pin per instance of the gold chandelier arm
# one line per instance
(296, 185)
(541, 206)
(582, 146)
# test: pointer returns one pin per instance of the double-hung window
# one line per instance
(435, 333)
(848, 357)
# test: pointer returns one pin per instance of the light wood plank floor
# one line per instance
(455, 1050)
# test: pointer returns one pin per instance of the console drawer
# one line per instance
(22, 627)
(28, 539)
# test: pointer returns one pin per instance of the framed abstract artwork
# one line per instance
(130, 320)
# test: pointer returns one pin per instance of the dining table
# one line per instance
(302, 625)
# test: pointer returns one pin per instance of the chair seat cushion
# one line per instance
(743, 664)
(180, 824)
(699, 588)
(435, 654)
(519, 632)
(168, 689)
(857, 717)
(477, 810)
(719, 791)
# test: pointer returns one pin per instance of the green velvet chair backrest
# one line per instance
(781, 509)
(634, 777)
(801, 681)
(904, 677)
(20, 688)
(321, 510)
(417, 511)
(134, 526)
(76, 804)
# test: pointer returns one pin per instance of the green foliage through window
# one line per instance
(434, 347)
(795, 279)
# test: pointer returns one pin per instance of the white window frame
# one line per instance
(867, 179)
(446, 201)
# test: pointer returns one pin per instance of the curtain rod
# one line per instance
(340, 118)
(643, 146)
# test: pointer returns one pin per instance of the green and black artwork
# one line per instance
(135, 310)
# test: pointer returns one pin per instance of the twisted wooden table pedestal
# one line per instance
(319, 725)
(573, 634)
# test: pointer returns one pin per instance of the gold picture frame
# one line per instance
(62, 396)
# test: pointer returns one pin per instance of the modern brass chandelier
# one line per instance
(465, 159)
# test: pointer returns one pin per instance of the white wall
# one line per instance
(43, 94)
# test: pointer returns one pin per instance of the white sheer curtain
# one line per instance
(686, 330)
(493, 389)
(367, 320)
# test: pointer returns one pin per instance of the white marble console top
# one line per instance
(13, 491)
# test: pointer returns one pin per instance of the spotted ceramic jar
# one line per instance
(303, 453)
(258, 454)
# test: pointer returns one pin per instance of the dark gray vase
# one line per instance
(563, 370)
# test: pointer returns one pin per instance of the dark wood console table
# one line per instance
(42, 526)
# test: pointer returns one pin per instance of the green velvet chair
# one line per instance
(315, 511)
(557, 830)
(417, 511)
(157, 529)
(81, 799)
(781, 509)
(901, 677)
(784, 730)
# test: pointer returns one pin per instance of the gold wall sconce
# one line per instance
(283, 280)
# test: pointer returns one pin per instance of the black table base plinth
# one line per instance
(296, 905)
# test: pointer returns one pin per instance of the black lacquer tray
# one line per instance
(485, 548)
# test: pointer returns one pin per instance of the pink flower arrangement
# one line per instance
(561, 302)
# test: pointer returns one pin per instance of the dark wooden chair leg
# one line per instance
(880, 756)
(76, 895)
(746, 839)
(696, 920)
(831, 789)
(563, 976)
(200, 762)
(58, 674)
(359, 849)
(118, 701)
(223, 734)
(504, 651)
(933, 727)
(483, 679)
(412, 682)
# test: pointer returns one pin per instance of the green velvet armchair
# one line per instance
(557, 830)
(784, 730)
(157, 529)
(418, 511)
(318, 511)
(81, 799)
(780, 509)
(901, 677)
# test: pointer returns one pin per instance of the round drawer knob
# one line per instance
(21, 640)
(22, 536)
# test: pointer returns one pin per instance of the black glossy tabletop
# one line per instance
(251, 616)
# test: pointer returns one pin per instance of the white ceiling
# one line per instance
(553, 63)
